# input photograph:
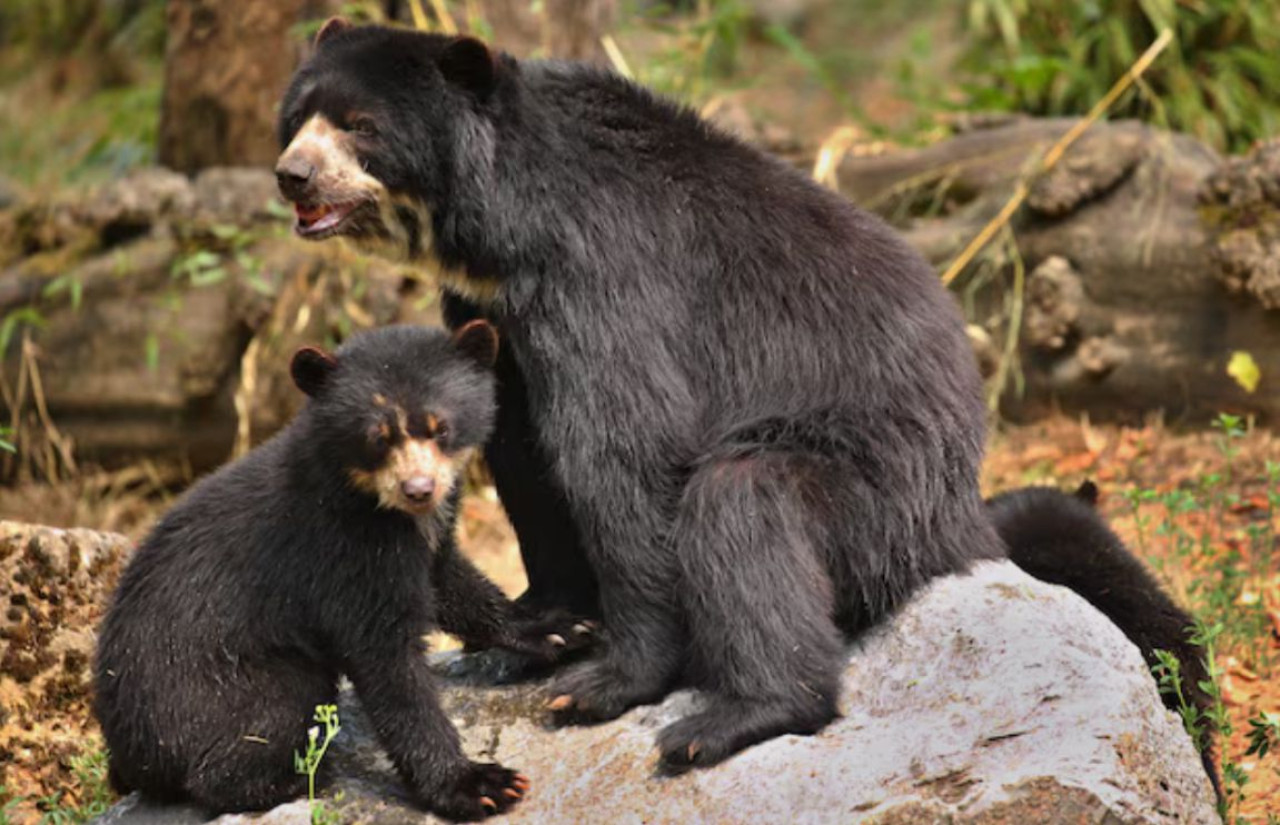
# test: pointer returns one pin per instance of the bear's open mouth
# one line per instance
(323, 219)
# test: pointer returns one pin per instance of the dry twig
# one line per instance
(1056, 152)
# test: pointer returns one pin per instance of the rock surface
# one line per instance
(992, 698)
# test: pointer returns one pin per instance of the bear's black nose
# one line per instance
(418, 489)
(294, 176)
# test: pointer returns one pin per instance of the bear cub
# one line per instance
(327, 551)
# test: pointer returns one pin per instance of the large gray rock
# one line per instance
(992, 698)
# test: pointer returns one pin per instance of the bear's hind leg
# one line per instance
(249, 764)
(759, 602)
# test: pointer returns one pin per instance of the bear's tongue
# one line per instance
(321, 216)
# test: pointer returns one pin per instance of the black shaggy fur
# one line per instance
(276, 574)
(1062, 539)
(755, 402)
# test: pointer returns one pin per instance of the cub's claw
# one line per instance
(480, 791)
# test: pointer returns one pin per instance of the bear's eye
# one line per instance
(363, 126)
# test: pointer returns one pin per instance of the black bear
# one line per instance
(1062, 539)
(328, 550)
(750, 408)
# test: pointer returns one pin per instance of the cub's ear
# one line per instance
(332, 26)
(311, 369)
(478, 340)
(468, 64)
(1088, 493)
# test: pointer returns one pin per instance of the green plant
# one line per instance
(1219, 79)
(318, 739)
(1232, 429)
(1168, 673)
(15, 320)
(7, 804)
(89, 770)
(1264, 734)
(1136, 498)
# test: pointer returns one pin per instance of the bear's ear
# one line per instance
(311, 369)
(478, 340)
(1088, 493)
(468, 64)
(332, 26)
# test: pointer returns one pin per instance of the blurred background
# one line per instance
(1106, 211)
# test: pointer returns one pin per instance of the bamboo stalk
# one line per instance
(1056, 152)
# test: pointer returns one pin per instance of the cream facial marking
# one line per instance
(320, 172)
(416, 477)
(333, 195)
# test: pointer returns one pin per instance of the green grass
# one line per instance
(1219, 80)
(1191, 531)
(94, 795)
(79, 140)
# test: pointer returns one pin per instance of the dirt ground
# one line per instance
(1061, 451)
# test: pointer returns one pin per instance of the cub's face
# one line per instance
(400, 410)
(369, 130)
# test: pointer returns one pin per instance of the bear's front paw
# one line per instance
(597, 692)
(481, 790)
(553, 637)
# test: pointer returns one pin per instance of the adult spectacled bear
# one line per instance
(738, 415)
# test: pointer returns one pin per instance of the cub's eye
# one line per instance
(379, 436)
(437, 428)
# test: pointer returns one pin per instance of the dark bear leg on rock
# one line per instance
(759, 602)
(559, 575)
(640, 664)
(627, 529)
(245, 780)
(250, 764)
(550, 547)
(398, 692)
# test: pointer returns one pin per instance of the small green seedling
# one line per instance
(318, 739)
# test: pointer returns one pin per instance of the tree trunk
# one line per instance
(227, 63)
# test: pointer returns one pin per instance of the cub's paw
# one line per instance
(553, 637)
(596, 692)
(481, 790)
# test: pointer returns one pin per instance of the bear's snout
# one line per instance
(294, 176)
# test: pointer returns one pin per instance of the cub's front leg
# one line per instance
(472, 608)
(398, 692)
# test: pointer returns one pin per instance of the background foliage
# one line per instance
(1219, 80)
